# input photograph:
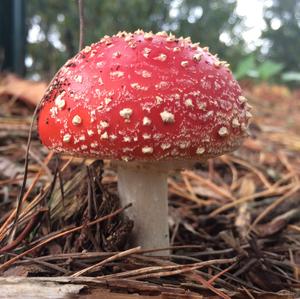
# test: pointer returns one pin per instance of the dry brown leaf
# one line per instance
(206, 192)
(270, 228)
(29, 91)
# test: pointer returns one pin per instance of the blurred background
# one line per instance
(260, 38)
(245, 204)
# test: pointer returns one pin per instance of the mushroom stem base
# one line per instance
(147, 190)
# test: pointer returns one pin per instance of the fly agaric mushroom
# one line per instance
(151, 103)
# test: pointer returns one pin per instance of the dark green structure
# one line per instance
(12, 36)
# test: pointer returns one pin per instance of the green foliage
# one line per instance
(56, 23)
(265, 71)
(291, 76)
(244, 67)
(269, 69)
(282, 32)
(203, 20)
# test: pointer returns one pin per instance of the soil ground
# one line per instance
(234, 221)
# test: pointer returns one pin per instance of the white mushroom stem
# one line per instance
(147, 190)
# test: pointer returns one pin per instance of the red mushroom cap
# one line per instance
(144, 96)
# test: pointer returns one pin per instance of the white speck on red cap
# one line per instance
(167, 117)
(195, 46)
(127, 138)
(184, 63)
(148, 36)
(104, 136)
(117, 54)
(76, 120)
(90, 132)
(162, 33)
(146, 52)
(126, 113)
(159, 99)
(165, 146)
(188, 103)
(242, 99)
(94, 144)
(78, 78)
(248, 114)
(87, 49)
(147, 150)
(67, 138)
(107, 100)
(59, 101)
(184, 145)
(137, 86)
(146, 121)
(200, 150)
(235, 123)
(197, 56)
(104, 124)
(146, 136)
(161, 57)
(223, 131)
(53, 112)
(117, 74)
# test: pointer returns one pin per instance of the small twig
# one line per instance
(248, 292)
(157, 271)
(259, 174)
(218, 275)
(206, 284)
(81, 24)
(43, 165)
(274, 205)
(261, 194)
(109, 259)
(206, 182)
(61, 186)
(22, 191)
(29, 260)
(5, 225)
(24, 233)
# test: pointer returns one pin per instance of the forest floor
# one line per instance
(235, 221)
